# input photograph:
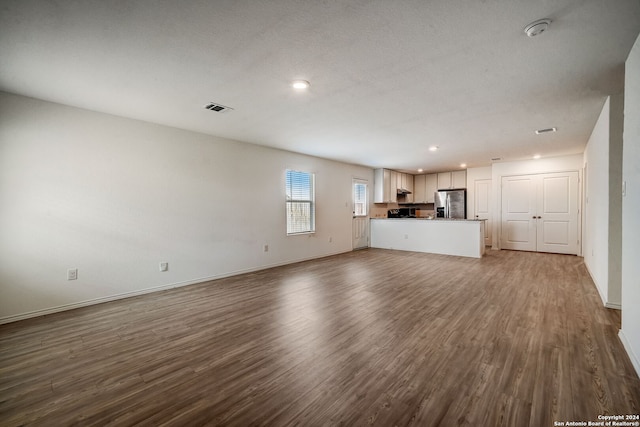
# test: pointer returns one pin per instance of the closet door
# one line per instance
(540, 213)
(557, 221)
(519, 203)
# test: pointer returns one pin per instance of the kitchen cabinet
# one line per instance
(419, 191)
(431, 187)
(444, 180)
(394, 181)
(393, 187)
(405, 182)
(450, 180)
(459, 179)
(448, 237)
(385, 186)
(424, 188)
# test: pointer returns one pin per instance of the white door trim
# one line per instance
(360, 233)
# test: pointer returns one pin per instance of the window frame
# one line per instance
(289, 200)
(364, 203)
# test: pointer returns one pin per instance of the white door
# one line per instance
(557, 219)
(360, 224)
(482, 208)
(519, 213)
(540, 213)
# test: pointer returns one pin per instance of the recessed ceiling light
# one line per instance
(539, 131)
(536, 156)
(300, 84)
(463, 165)
(433, 148)
(420, 170)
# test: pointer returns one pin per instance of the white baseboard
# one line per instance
(635, 361)
(71, 306)
(599, 289)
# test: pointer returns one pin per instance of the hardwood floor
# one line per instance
(373, 337)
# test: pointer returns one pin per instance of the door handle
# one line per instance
(534, 217)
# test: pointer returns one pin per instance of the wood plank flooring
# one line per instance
(373, 337)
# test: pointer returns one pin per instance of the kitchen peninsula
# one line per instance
(459, 237)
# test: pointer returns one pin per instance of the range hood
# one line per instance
(403, 191)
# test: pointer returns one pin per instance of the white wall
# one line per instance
(526, 167)
(113, 197)
(603, 202)
(630, 332)
(616, 128)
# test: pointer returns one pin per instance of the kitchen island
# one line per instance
(459, 237)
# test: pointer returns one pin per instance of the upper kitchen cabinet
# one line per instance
(431, 187)
(405, 183)
(419, 182)
(392, 185)
(424, 188)
(444, 180)
(459, 179)
(387, 183)
(385, 186)
(449, 180)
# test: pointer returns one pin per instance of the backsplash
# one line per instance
(379, 210)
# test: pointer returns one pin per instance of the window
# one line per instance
(300, 202)
(359, 199)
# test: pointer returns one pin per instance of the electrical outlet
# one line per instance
(330, 239)
(72, 274)
(265, 248)
(406, 236)
(164, 266)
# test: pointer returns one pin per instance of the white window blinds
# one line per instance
(300, 202)
(359, 199)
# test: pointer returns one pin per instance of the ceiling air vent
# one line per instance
(217, 107)
(540, 131)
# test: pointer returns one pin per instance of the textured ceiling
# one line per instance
(388, 78)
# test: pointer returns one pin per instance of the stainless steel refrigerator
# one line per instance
(451, 204)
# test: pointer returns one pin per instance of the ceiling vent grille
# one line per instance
(540, 131)
(212, 106)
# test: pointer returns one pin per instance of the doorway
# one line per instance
(360, 223)
(482, 207)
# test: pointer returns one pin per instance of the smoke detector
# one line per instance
(537, 27)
